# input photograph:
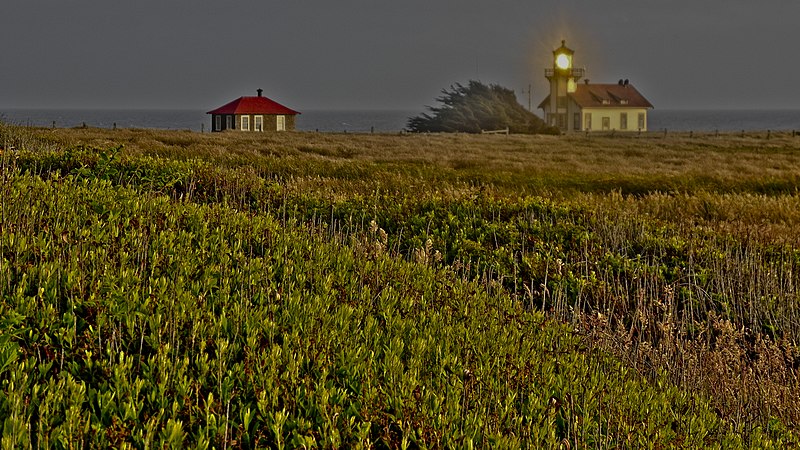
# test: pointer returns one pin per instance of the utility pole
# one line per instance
(529, 96)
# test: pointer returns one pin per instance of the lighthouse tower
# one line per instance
(563, 79)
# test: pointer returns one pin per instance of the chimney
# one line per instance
(259, 91)
(586, 80)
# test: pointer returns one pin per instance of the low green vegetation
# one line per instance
(173, 289)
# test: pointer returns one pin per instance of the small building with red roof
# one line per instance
(253, 114)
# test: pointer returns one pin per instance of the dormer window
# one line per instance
(623, 102)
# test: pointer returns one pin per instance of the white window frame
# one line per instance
(623, 121)
(217, 123)
(228, 122)
(606, 123)
(642, 121)
(258, 123)
(280, 123)
(587, 120)
(245, 121)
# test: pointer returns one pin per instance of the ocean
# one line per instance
(383, 121)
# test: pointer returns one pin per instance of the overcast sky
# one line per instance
(371, 54)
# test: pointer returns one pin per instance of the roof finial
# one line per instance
(563, 42)
(259, 91)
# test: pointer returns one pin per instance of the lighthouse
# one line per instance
(573, 105)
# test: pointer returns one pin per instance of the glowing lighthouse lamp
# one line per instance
(563, 61)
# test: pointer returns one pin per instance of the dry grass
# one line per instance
(677, 154)
(743, 185)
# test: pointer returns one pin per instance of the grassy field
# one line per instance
(168, 288)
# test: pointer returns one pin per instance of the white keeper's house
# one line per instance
(574, 104)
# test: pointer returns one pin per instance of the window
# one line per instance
(561, 101)
(587, 121)
(571, 85)
(245, 123)
(623, 121)
(281, 123)
(258, 123)
(606, 123)
(228, 122)
(217, 123)
(562, 121)
(642, 125)
(576, 121)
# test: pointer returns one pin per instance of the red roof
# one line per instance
(614, 95)
(253, 105)
(606, 96)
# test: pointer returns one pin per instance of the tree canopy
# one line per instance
(477, 107)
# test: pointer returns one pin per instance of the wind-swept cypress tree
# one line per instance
(477, 107)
